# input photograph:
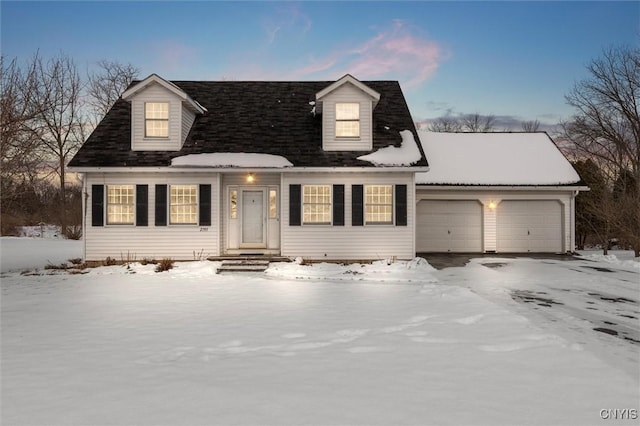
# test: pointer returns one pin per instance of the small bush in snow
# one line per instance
(109, 261)
(62, 266)
(164, 265)
(74, 232)
(76, 261)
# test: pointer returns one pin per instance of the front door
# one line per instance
(253, 227)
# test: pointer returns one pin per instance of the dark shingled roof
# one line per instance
(257, 117)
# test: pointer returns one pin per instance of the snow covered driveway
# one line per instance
(381, 344)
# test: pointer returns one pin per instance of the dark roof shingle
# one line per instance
(258, 117)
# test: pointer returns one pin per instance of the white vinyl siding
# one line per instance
(120, 204)
(316, 204)
(347, 94)
(378, 204)
(348, 242)
(140, 140)
(179, 242)
(188, 118)
(183, 204)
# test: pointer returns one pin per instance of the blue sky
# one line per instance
(512, 59)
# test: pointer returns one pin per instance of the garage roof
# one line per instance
(494, 159)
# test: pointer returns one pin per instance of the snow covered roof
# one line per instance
(406, 154)
(231, 159)
(494, 159)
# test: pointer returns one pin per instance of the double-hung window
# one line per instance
(316, 204)
(183, 204)
(156, 119)
(120, 204)
(348, 120)
(378, 200)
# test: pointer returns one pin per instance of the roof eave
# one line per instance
(563, 187)
(199, 169)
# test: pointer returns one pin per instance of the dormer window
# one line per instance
(348, 120)
(156, 119)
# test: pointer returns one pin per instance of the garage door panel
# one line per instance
(444, 226)
(529, 226)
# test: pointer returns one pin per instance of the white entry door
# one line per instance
(253, 228)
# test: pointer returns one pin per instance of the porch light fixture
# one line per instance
(492, 205)
(250, 178)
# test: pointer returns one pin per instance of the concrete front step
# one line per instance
(243, 265)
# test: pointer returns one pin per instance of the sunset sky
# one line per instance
(515, 60)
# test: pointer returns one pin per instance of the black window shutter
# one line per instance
(97, 205)
(338, 205)
(357, 204)
(401, 205)
(294, 205)
(161, 205)
(142, 205)
(205, 205)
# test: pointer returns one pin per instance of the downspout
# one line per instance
(572, 221)
(85, 197)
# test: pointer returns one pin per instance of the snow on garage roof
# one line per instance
(494, 159)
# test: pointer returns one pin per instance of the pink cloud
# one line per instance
(397, 52)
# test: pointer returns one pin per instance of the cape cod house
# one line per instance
(321, 170)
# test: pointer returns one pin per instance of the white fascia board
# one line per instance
(568, 188)
(155, 78)
(245, 169)
(358, 169)
(348, 78)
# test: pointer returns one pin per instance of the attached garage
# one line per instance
(495, 193)
(449, 226)
(529, 226)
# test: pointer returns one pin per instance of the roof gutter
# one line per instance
(568, 187)
(197, 169)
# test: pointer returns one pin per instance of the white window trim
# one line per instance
(146, 136)
(107, 203)
(393, 204)
(302, 204)
(197, 204)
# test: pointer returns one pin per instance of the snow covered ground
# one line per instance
(499, 341)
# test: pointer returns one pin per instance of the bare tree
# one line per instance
(530, 126)
(59, 126)
(445, 124)
(471, 123)
(606, 128)
(478, 123)
(106, 85)
(19, 157)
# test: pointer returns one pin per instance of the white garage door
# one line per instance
(449, 226)
(529, 226)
